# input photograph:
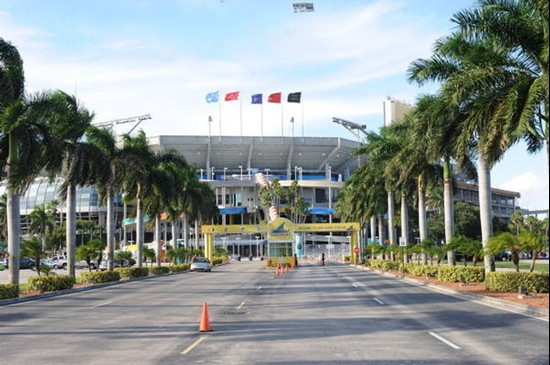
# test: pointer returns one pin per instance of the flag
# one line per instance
(274, 98)
(257, 99)
(212, 97)
(232, 96)
(294, 97)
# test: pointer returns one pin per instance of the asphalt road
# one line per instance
(335, 314)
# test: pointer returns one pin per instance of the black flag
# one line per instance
(294, 97)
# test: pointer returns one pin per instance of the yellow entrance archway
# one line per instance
(280, 229)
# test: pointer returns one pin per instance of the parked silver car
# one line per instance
(201, 264)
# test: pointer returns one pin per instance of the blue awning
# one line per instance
(325, 211)
(235, 210)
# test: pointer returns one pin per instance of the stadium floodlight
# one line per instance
(351, 126)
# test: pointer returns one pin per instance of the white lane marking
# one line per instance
(259, 287)
(444, 340)
(379, 301)
(101, 304)
(193, 345)
(240, 305)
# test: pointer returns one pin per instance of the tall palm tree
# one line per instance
(3, 216)
(105, 141)
(40, 223)
(520, 27)
(25, 142)
(139, 161)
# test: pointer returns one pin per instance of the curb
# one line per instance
(31, 298)
(524, 309)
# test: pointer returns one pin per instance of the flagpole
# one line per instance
(262, 121)
(241, 114)
(302, 118)
(282, 121)
(220, 116)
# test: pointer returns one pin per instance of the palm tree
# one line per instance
(33, 248)
(25, 142)
(3, 216)
(40, 223)
(520, 27)
(136, 172)
(516, 219)
(505, 242)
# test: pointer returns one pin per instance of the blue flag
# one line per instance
(212, 97)
(257, 99)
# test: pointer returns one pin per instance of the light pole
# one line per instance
(209, 126)
(240, 167)
(224, 171)
(249, 170)
(292, 122)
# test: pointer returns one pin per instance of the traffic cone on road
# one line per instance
(205, 322)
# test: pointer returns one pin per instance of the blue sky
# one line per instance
(132, 57)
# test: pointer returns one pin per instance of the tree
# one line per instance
(149, 254)
(3, 216)
(505, 242)
(40, 223)
(26, 145)
(33, 248)
(123, 256)
(468, 247)
(534, 243)
(91, 251)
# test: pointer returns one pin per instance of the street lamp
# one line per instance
(240, 167)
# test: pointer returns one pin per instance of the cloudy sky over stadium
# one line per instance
(162, 57)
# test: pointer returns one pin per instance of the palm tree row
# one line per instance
(52, 132)
(493, 75)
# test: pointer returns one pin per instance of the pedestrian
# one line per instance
(323, 259)
(295, 260)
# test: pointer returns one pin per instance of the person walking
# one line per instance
(323, 259)
(295, 260)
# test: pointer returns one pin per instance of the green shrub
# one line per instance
(99, 277)
(132, 272)
(159, 270)
(533, 282)
(422, 270)
(123, 271)
(8, 291)
(179, 267)
(50, 283)
(460, 273)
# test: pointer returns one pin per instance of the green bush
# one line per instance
(132, 272)
(422, 270)
(123, 271)
(50, 283)
(99, 277)
(533, 282)
(384, 265)
(217, 261)
(8, 291)
(159, 270)
(179, 267)
(460, 273)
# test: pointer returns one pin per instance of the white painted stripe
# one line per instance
(259, 287)
(379, 301)
(444, 340)
(240, 305)
(193, 345)
(101, 304)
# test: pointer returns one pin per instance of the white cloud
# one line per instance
(533, 187)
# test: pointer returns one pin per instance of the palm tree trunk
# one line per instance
(174, 232)
(14, 233)
(157, 237)
(71, 229)
(422, 225)
(485, 206)
(448, 208)
(185, 229)
(196, 234)
(404, 223)
(373, 228)
(110, 231)
(139, 232)
(391, 214)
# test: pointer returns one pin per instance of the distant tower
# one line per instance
(395, 110)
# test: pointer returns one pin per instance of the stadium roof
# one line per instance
(275, 153)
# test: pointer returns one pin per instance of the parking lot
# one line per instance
(25, 274)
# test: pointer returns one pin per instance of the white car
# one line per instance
(201, 264)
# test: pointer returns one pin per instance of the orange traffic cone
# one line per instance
(205, 323)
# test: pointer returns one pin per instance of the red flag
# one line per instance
(232, 96)
(274, 98)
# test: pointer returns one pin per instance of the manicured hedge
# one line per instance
(159, 270)
(460, 273)
(99, 277)
(422, 270)
(533, 282)
(8, 291)
(179, 267)
(50, 283)
(132, 272)
(384, 265)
